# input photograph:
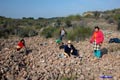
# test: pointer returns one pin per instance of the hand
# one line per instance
(71, 51)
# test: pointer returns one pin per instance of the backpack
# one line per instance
(114, 40)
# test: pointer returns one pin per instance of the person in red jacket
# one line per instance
(97, 39)
(20, 44)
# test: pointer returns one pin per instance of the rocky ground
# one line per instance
(43, 62)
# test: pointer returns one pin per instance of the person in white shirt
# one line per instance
(62, 33)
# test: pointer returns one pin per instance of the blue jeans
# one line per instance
(61, 37)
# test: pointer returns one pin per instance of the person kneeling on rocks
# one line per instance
(20, 45)
(70, 49)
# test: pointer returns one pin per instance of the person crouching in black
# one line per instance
(69, 49)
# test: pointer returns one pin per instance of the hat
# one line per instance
(69, 42)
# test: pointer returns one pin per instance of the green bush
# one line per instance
(22, 33)
(38, 27)
(26, 32)
(56, 33)
(79, 33)
(48, 32)
(116, 17)
(5, 31)
(32, 33)
(51, 32)
(4, 34)
(70, 35)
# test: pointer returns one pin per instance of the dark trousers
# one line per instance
(61, 37)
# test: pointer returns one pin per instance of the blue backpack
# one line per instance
(114, 40)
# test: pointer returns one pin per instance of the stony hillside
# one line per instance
(43, 62)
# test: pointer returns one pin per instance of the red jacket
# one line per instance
(98, 37)
(20, 44)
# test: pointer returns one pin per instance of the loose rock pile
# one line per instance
(43, 62)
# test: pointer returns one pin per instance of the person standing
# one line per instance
(62, 33)
(97, 39)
